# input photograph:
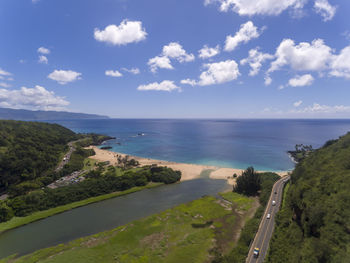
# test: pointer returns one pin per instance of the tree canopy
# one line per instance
(314, 224)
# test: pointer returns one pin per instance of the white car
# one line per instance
(268, 216)
(273, 202)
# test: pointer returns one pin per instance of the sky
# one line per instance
(177, 58)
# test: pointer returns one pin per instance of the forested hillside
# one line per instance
(14, 114)
(28, 149)
(314, 223)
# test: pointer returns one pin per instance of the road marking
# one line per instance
(276, 186)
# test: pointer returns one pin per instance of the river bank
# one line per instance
(189, 232)
(188, 171)
(21, 221)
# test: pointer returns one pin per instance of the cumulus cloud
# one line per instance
(340, 65)
(208, 52)
(267, 80)
(37, 98)
(4, 73)
(165, 85)
(176, 51)
(64, 76)
(246, 32)
(43, 59)
(297, 103)
(171, 51)
(4, 85)
(314, 56)
(300, 81)
(326, 10)
(134, 71)
(255, 60)
(191, 82)
(127, 32)
(114, 73)
(216, 73)
(159, 62)
(43, 50)
(257, 7)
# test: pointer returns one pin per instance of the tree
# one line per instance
(248, 183)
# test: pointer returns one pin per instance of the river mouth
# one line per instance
(104, 215)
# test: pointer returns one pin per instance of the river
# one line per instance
(104, 215)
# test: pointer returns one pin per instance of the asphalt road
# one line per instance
(263, 236)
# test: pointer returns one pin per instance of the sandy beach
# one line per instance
(189, 171)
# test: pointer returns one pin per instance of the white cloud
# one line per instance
(165, 85)
(114, 73)
(176, 51)
(255, 60)
(326, 10)
(208, 52)
(318, 108)
(134, 71)
(340, 65)
(300, 81)
(127, 32)
(64, 76)
(4, 85)
(219, 72)
(257, 7)
(268, 80)
(37, 98)
(304, 56)
(297, 103)
(171, 51)
(159, 62)
(43, 60)
(4, 73)
(35, 1)
(280, 87)
(43, 50)
(246, 32)
(191, 82)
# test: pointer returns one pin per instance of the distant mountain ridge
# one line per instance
(14, 114)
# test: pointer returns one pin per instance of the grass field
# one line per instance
(242, 202)
(190, 232)
(19, 221)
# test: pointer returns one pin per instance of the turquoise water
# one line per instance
(225, 143)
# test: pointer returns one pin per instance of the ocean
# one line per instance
(262, 144)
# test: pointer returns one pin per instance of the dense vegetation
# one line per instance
(19, 114)
(314, 223)
(30, 149)
(301, 151)
(264, 182)
(96, 184)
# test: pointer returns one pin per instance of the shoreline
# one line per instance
(188, 171)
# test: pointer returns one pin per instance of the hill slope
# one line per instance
(28, 149)
(314, 224)
(12, 114)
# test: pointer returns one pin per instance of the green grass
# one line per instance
(242, 202)
(89, 164)
(185, 233)
(19, 221)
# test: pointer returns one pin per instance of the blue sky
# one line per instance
(177, 58)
